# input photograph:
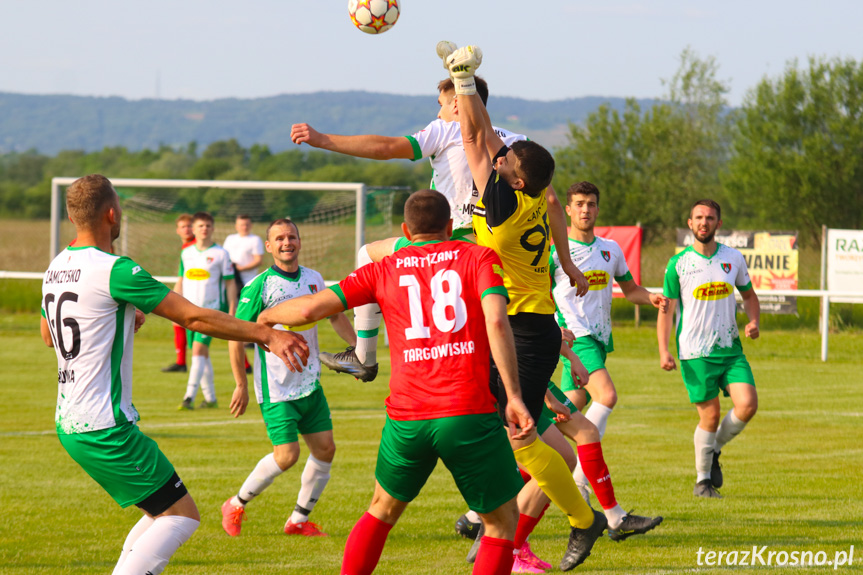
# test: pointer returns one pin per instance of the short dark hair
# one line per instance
(282, 222)
(243, 217)
(709, 204)
(583, 188)
(481, 88)
(203, 216)
(535, 166)
(427, 212)
(88, 198)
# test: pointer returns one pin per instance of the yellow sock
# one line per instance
(549, 469)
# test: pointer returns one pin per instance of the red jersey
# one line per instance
(430, 295)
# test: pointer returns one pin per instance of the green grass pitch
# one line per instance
(792, 479)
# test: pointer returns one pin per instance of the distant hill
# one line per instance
(54, 123)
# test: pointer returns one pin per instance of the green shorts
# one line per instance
(547, 419)
(474, 448)
(705, 376)
(310, 414)
(125, 462)
(193, 336)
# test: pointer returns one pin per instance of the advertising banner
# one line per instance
(629, 239)
(771, 257)
(845, 263)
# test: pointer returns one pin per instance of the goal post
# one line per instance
(58, 183)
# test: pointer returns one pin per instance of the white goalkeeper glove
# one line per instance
(444, 48)
(462, 65)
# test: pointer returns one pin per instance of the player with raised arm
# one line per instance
(701, 279)
(445, 305)
(441, 142)
(90, 300)
(206, 278)
(511, 217)
(290, 402)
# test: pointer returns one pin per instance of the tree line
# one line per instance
(790, 157)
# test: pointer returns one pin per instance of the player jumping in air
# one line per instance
(290, 402)
(511, 217)
(441, 142)
(89, 301)
(445, 305)
(701, 279)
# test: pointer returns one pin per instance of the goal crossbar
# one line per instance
(360, 190)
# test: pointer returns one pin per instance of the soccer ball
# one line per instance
(373, 16)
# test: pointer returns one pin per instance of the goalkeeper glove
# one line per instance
(462, 65)
(444, 48)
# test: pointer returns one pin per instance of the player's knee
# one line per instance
(325, 452)
(286, 458)
(747, 411)
(608, 397)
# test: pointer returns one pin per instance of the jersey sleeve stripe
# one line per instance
(418, 153)
(499, 290)
(337, 289)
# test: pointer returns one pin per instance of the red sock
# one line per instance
(365, 545)
(596, 471)
(494, 557)
(526, 525)
(180, 344)
(525, 476)
(246, 359)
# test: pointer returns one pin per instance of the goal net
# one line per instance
(334, 219)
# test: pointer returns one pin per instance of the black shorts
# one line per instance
(172, 491)
(537, 349)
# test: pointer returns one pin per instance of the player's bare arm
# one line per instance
(579, 372)
(557, 225)
(380, 249)
(232, 294)
(45, 332)
(638, 295)
(663, 333)
(288, 346)
(303, 310)
(240, 397)
(364, 146)
(503, 351)
(752, 307)
(562, 412)
(343, 328)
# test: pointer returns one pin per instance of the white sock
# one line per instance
(598, 415)
(261, 477)
(142, 525)
(208, 385)
(704, 441)
(154, 548)
(472, 516)
(615, 516)
(315, 477)
(730, 428)
(196, 373)
(367, 321)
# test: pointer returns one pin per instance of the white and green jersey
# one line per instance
(205, 273)
(89, 299)
(274, 382)
(704, 287)
(441, 142)
(599, 261)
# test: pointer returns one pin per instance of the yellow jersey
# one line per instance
(515, 225)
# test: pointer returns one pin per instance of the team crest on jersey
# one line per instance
(726, 268)
(210, 259)
(313, 288)
(606, 255)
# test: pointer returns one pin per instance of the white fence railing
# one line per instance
(825, 295)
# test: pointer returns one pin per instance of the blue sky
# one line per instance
(545, 50)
